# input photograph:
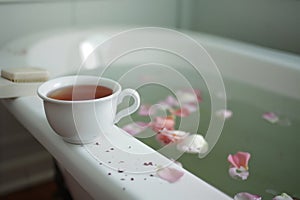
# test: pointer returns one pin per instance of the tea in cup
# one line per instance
(80, 108)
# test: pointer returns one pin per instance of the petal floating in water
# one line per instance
(171, 101)
(163, 139)
(238, 173)
(168, 103)
(135, 128)
(193, 144)
(271, 117)
(246, 196)
(283, 196)
(191, 107)
(159, 123)
(183, 112)
(144, 110)
(188, 96)
(166, 136)
(226, 114)
(240, 159)
(170, 174)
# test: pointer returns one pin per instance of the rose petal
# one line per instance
(170, 174)
(191, 107)
(135, 128)
(188, 96)
(246, 196)
(283, 196)
(193, 144)
(166, 136)
(171, 101)
(238, 173)
(183, 112)
(270, 117)
(163, 139)
(160, 123)
(168, 103)
(144, 110)
(164, 106)
(240, 159)
(226, 114)
(198, 94)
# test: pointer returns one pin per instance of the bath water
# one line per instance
(274, 148)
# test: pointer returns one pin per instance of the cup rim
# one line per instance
(43, 94)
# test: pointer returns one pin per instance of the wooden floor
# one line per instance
(44, 191)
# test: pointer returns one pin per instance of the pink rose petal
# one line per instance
(171, 101)
(170, 174)
(144, 110)
(163, 139)
(246, 196)
(135, 128)
(183, 112)
(270, 117)
(191, 107)
(160, 123)
(166, 136)
(168, 103)
(198, 94)
(240, 159)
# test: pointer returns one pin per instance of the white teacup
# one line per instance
(82, 121)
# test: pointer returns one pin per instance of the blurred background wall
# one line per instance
(270, 23)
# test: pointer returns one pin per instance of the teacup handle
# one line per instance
(131, 109)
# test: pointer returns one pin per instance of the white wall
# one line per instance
(270, 23)
(24, 17)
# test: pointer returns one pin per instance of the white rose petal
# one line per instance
(186, 97)
(246, 196)
(283, 196)
(226, 114)
(193, 144)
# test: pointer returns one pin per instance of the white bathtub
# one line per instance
(60, 52)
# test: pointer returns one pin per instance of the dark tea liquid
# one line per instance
(80, 92)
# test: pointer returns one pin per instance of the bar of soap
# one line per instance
(25, 74)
